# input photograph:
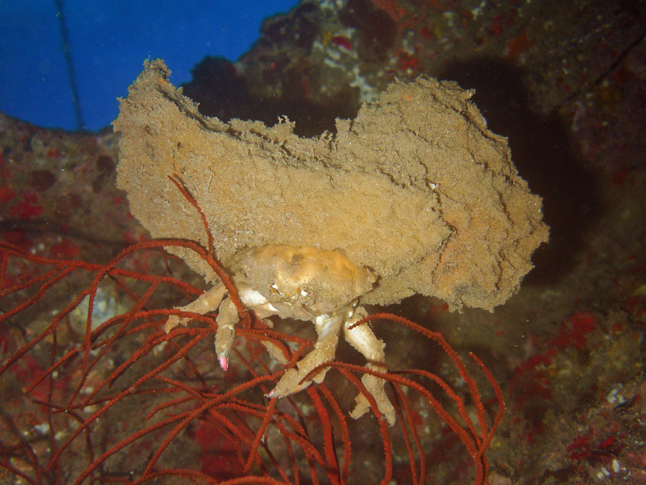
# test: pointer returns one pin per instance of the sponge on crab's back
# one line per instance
(415, 188)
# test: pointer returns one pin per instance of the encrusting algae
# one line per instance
(415, 193)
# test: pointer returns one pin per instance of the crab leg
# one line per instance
(364, 340)
(328, 328)
(224, 336)
(207, 302)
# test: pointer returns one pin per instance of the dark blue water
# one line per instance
(109, 39)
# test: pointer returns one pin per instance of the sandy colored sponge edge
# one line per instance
(416, 188)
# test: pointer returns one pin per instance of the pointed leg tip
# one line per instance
(224, 363)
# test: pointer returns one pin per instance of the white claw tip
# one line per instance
(224, 363)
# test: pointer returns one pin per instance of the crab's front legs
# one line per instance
(228, 317)
(328, 328)
(372, 348)
(207, 302)
(226, 333)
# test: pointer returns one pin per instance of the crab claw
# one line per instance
(226, 332)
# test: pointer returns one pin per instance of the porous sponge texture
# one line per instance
(415, 188)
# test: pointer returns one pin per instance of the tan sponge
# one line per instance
(415, 188)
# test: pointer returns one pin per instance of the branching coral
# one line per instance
(84, 411)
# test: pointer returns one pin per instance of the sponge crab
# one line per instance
(414, 196)
(303, 283)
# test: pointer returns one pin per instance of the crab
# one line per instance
(303, 283)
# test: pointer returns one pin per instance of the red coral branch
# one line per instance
(166, 370)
